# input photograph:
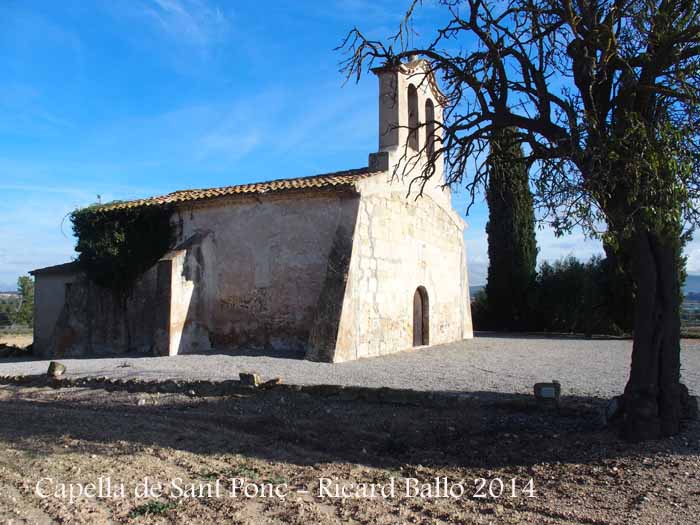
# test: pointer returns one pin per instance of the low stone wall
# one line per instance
(233, 387)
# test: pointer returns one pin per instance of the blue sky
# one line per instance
(131, 98)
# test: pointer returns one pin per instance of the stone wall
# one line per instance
(182, 294)
(49, 299)
(254, 273)
(400, 244)
(263, 273)
(95, 321)
(329, 275)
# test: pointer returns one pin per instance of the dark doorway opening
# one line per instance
(412, 117)
(421, 319)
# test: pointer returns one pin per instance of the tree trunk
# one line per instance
(653, 392)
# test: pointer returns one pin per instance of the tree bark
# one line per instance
(653, 392)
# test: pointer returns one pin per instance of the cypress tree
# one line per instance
(512, 246)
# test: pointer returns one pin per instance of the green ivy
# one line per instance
(116, 246)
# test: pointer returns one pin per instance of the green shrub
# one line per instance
(116, 246)
(19, 310)
(481, 318)
(153, 507)
(571, 296)
(25, 311)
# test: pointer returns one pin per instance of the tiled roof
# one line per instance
(340, 179)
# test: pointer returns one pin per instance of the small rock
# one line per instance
(56, 369)
(249, 379)
(547, 394)
(141, 402)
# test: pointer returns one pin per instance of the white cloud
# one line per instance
(193, 21)
(577, 245)
(23, 107)
(551, 248)
(185, 34)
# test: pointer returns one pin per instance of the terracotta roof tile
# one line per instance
(340, 179)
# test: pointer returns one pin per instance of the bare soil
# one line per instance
(580, 472)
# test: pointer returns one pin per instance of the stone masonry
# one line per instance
(332, 267)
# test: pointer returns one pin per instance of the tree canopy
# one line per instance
(512, 247)
(586, 84)
(24, 313)
(604, 94)
(116, 246)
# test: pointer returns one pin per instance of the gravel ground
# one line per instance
(485, 364)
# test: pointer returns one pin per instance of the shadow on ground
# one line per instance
(550, 336)
(489, 431)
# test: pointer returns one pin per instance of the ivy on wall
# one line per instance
(116, 246)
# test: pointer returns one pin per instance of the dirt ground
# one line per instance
(52, 441)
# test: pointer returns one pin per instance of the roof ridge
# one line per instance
(312, 182)
(343, 173)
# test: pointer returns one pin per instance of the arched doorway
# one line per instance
(421, 317)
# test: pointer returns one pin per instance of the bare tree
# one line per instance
(604, 95)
